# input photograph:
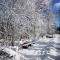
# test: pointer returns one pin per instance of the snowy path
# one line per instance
(40, 50)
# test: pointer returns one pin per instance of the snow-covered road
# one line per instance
(42, 49)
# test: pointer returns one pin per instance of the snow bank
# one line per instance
(15, 54)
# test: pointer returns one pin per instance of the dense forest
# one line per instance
(25, 19)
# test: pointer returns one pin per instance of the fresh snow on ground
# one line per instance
(37, 50)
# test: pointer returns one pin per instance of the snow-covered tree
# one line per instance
(22, 19)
